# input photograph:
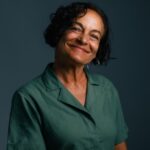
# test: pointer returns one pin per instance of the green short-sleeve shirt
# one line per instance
(46, 116)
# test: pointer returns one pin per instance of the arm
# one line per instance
(121, 146)
(122, 130)
(25, 131)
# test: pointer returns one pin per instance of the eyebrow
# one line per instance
(80, 24)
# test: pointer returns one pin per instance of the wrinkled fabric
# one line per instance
(46, 116)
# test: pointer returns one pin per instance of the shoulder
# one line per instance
(104, 84)
(31, 87)
(105, 88)
(101, 80)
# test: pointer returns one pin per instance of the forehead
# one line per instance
(91, 20)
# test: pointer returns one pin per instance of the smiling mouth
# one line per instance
(78, 48)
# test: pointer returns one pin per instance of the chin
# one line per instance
(80, 62)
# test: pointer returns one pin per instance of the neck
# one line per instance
(69, 73)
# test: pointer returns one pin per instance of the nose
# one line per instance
(82, 39)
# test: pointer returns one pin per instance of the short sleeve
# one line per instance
(24, 131)
(122, 129)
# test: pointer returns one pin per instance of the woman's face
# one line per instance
(79, 44)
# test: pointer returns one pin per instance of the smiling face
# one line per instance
(79, 44)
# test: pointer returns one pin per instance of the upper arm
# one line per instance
(122, 130)
(24, 126)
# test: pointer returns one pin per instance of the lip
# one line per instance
(79, 47)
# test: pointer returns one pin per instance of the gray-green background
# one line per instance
(24, 55)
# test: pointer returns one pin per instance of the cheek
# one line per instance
(95, 47)
(66, 38)
(70, 36)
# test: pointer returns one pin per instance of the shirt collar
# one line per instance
(53, 84)
(92, 78)
(49, 78)
(51, 81)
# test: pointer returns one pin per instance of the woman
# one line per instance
(68, 108)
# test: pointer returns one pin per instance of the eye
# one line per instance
(95, 37)
(76, 29)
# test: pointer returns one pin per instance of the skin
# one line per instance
(121, 146)
(77, 47)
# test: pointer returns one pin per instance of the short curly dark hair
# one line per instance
(62, 19)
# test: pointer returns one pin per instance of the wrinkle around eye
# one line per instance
(76, 29)
(94, 37)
